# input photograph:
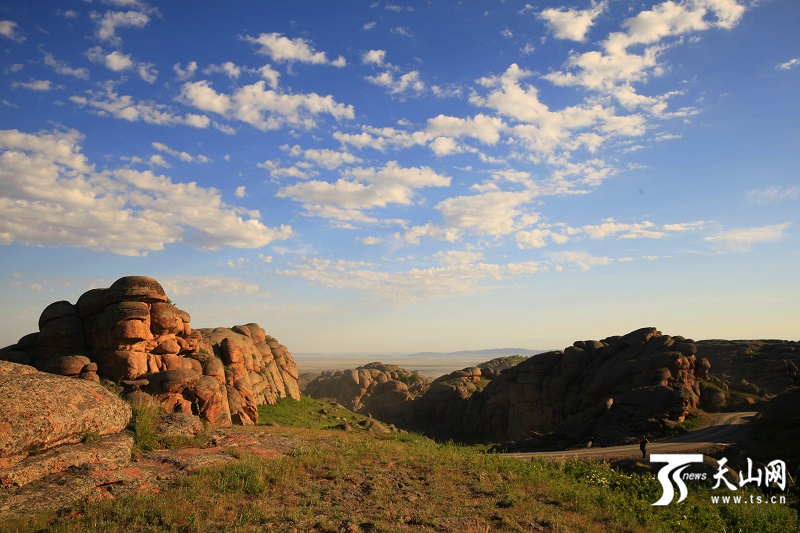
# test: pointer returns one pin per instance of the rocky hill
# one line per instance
(385, 391)
(130, 334)
(611, 389)
(747, 372)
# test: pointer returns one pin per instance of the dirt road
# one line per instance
(725, 429)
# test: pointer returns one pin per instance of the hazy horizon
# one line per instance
(405, 177)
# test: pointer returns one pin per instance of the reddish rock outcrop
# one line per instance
(131, 334)
(39, 411)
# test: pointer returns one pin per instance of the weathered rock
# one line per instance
(618, 386)
(173, 425)
(129, 331)
(113, 451)
(7, 368)
(354, 387)
(65, 411)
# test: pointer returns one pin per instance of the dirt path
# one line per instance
(725, 430)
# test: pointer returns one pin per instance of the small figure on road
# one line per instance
(643, 445)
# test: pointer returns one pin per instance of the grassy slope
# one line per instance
(356, 481)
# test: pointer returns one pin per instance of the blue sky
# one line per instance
(395, 177)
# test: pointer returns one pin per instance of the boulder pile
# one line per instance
(383, 390)
(131, 334)
(611, 389)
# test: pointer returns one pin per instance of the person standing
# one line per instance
(643, 445)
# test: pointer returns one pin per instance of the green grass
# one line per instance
(144, 425)
(337, 481)
(307, 413)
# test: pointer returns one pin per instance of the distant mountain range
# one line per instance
(487, 354)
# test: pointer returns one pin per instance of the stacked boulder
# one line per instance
(131, 334)
(383, 390)
(610, 389)
(441, 410)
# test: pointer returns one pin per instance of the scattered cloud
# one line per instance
(10, 30)
(114, 60)
(743, 239)
(264, 108)
(34, 85)
(788, 65)
(64, 69)
(369, 26)
(185, 73)
(323, 157)
(773, 194)
(109, 103)
(183, 156)
(285, 50)
(53, 196)
(241, 192)
(402, 31)
(572, 24)
(109, 22)
(360, 189)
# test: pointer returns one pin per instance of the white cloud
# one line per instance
(772, 194)
(323, 157)
(224, 285)
(263, 108)
(370, 241)
(572, 24)
(277, 171)
(462, 272)
(62, 68)
(108, 23)
(409, 82)
(185, 73)
(369, 26)
(228, 68)
(374, 57)
(743, 239)
(109, 103)
(402, 31)
(116, 61)
(284, 50)
(183, 156)
(147, 72)
(583, 260)
(616, 66)
(270, 75)
(241, 192)
(158, 160)
(491, 213)
(432, 231)
(50, 195)
(361, 189)
(34, 85)
(10, 30)
(508, 34)
(788, 65)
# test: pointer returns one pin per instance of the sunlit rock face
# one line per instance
(132, 335)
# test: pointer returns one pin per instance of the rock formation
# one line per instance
(385, 391)
(754, 368)
(131, 334)
(44, 418)
(611, 389)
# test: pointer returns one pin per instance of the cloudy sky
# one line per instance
(398, 177)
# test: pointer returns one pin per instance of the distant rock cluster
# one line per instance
(385, 391)
(754, 369)
(132, 335)
(611, 389)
